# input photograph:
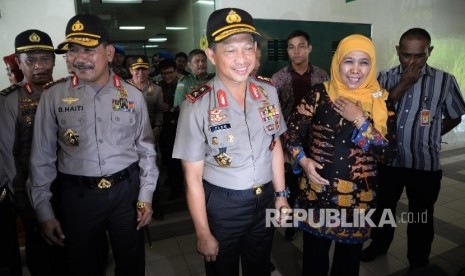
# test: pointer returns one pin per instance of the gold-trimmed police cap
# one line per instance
(141, 61)
(226, 22)
(33, 40)
(62, 50)
(86, 30)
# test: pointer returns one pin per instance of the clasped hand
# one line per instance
(347, 109)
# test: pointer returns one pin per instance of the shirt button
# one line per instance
(63, 121)
(406, 111)
(99, 120)
(103, 162)
(100, 141)
(401, 126)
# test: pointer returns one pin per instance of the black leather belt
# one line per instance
(254, 191)
(106, 181)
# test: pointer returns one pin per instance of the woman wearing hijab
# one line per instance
(347, 117)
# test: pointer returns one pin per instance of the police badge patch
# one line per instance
(71, 137)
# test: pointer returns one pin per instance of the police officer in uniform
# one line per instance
(18, 103)
(152, 92)
(97, 128)
(197, 62)
(228, 142)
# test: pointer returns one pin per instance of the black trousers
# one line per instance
(41, 259)
(422, 189)
(10, 260)
(238, 223)
(89, 214)
(346, 260)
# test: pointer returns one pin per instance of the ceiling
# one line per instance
(153, 14)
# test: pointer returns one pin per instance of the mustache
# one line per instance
(81, 66)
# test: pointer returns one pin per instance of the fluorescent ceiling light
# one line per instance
(176, 28)
(150, 46)
(159, 39)
(132, 27)
(121, 1)
(205, 2)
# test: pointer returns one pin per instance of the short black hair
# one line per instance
(167, 63)
(297, 33)
(416, 33)
(194, 53)
(180, 54)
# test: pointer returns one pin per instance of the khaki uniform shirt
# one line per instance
(97, 134)
(215, 124)
(18, 105)
(153, 96)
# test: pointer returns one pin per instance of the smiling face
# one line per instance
(139, 75)
(234, 58)
(91, 64)
(354, 68)
(37, 66)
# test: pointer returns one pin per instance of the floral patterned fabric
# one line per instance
(348, 156)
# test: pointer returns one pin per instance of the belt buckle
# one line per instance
(258, 190)
(104, 184)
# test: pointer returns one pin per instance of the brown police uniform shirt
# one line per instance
(215, 124)
(18, 104)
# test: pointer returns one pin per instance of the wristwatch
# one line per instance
(286, 193)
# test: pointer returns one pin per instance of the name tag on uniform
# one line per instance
(220, 127)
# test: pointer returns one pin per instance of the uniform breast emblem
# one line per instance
(216, 115)
(69, 100)
(223, 159)
(122, 93)
(71, 138)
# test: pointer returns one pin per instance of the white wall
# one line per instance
(389, 18)
(442, 18)
(50, 16)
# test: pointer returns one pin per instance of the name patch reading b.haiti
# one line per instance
(71, 108)
(220, 127)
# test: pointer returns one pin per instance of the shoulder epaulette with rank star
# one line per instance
(52, 83)
(196, 94)
(7, 91)
(264, 79)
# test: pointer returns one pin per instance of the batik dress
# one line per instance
(348, 157)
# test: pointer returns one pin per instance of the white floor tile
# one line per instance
(447, 214)
(441, 245)
(163, 249)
